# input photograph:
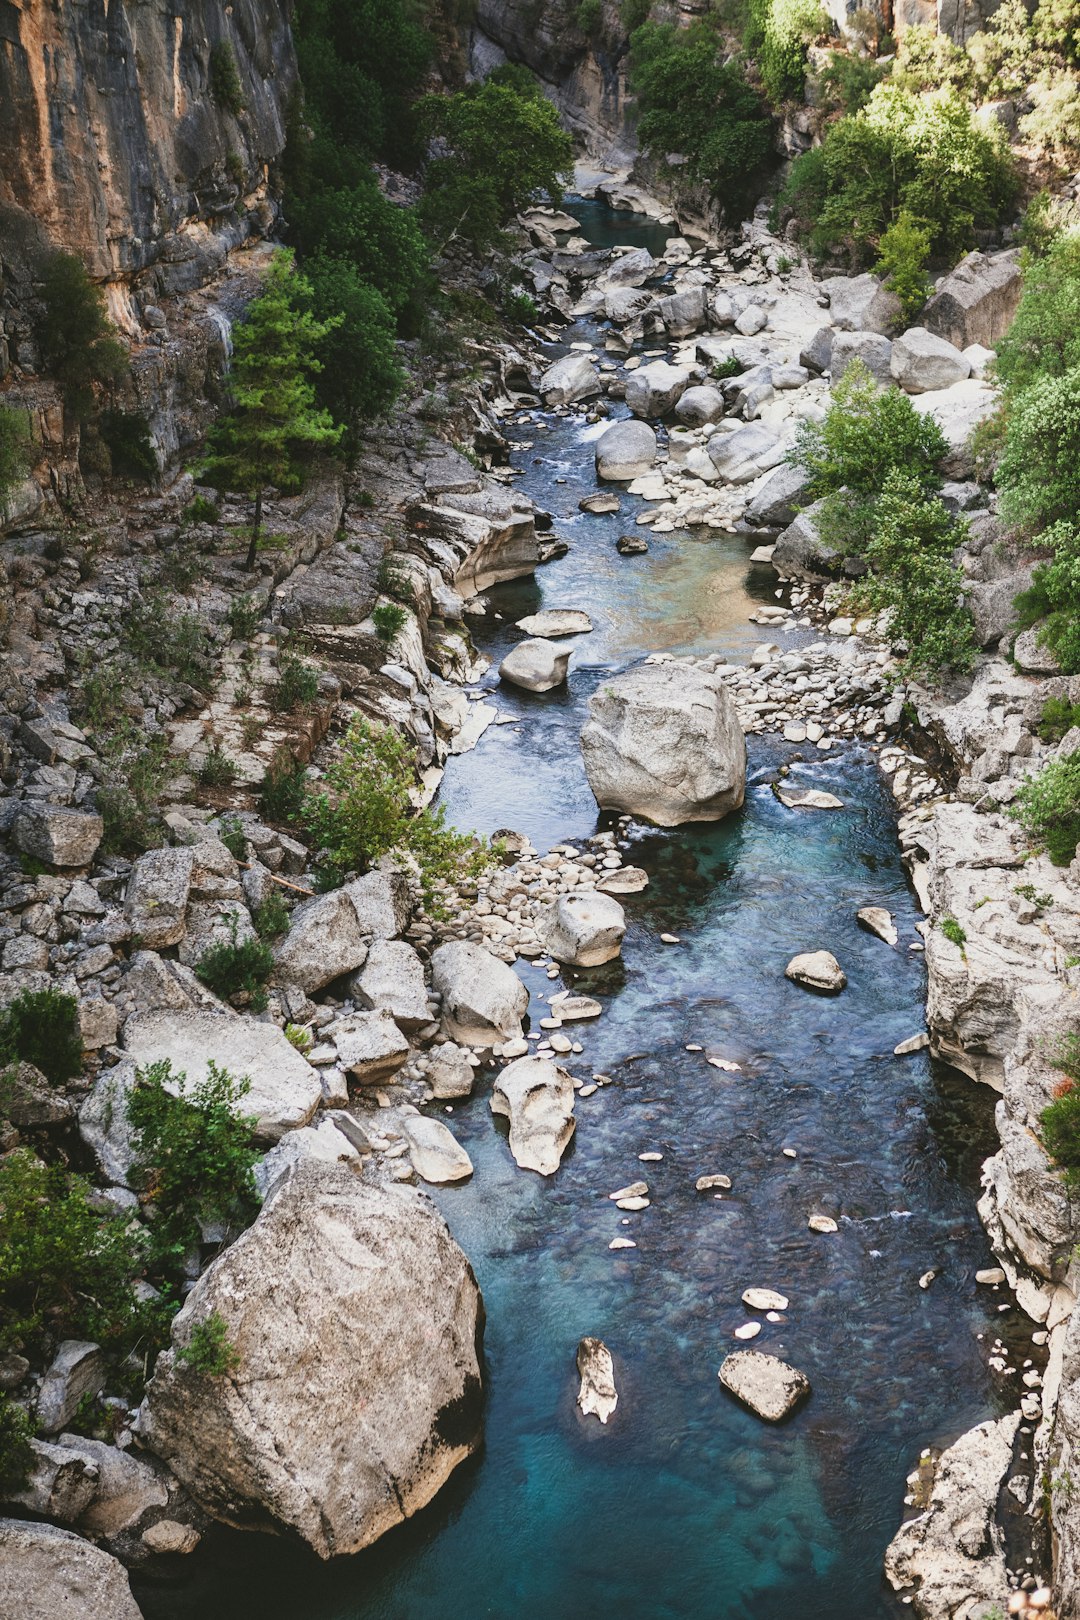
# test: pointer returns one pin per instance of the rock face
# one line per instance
(922, 362)
(625, 451)
(535, 664)
(370, 1046)
(356, 1319)
(483, 1000)
(285, 1089)
(655, 389)
(767, 1385)
(52, 833)
(392, 981)
(582, 930)
(537, 1096)
(952, 1556)
(50, 1574)
(976, 301)
(597, 1395)
(664, 743)
(817, 970)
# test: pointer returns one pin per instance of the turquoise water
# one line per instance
(684, 1505)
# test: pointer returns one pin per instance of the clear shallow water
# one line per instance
(685, 1506)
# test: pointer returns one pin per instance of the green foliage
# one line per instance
(296, 687)
(1058, 716)
(589, 17)
(16, 1452)
(271, 919)
(1054, 597)
(1060, 1119)
(846, 83)
(209, 1350)
(365, 812)
(136, 768)
(632, 14)
(78, 340)
(171, 642)
(866, 432)
(1039, 471)
(519, 308)
(903, 253)
(392, 579)
(298, 1036)
(1044, 337)
(274, 425)
(1054, 120)
(1003, 55)
(360, 376)
(1056, 25)
(1048, 808)
(126, 435)
(913, 577)
(237, 967)
(14, 448)
(231, 833)
(200, 510)
(902, 150)
(731, 367)
(65, 1270)
(787, 28)
(224, 80)
(695, 103)
(217, 770)
(953, 932)
(244, 617)
(502, 150)
(42, 1027)
(928, 60)
(193, 1156)
(281, 792)
(389, 619)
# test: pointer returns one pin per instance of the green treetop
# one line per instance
(274, 424)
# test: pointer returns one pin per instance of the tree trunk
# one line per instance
(256, 528)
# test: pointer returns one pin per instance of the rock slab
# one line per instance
(597, 1395)
(768, 1386)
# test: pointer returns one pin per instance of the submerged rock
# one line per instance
(51, 1574)
(538, 1099)
(812, 799)
(876, 920)
(663, 741)
(356, 1319)
(768, 1386)
(582, 930)
(817, 970)
(597, 1395)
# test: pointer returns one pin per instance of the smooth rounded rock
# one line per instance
(625, 451)
(555, 622)
(817, 970)
(582, 930)
(535, 664)
(537, 1096)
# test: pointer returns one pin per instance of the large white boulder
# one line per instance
(699, 406)
(483, 1000)
(392, 981)
(570, 378)
(764, 1383)
(623, 304)
(625, 451)
(655, 389)
(921, 362)
(370, 1046)
(663, 741)
(871, 348)
(976, 301)
(355, 1319)
(536, 664)
(582, 930)
(817, 970)
(744, 455)
(537, 1096)
(155, 902)
(861, 304)
(51, 1574)
(285, 1089)
(958, 410)
(779, 497)
(684, 312)
(631, 269)
(57, 835)
(434, 1151)
(329, 936)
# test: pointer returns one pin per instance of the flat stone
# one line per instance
(537, 1097)
(627, 880)
(155, 902)
(764, 1299)
(812, 799)
(553, 623)
(914, 1043)
(991, 1277)
(370, 1045)
(712, 1182)
(636, 1189)
(768, 1386)
(822, 1223)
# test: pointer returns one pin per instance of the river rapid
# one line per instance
(684, 1505)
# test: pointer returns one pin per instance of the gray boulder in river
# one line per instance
(663, 742)
(356, 1320)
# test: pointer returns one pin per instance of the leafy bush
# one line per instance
(866, 432)
(193, 1156)
(271, 919)
(127, 437)
(632, 13)
(589, 16)
(1039, 471)
(171, 642)
(902, 150)
(902, 257)
(366, 812)
(297, 685)
(298, 1036)
(789, 26)
(1056, 25)
(209, 1350)
(16, 1452)
(217, 769)
(65, 1270)
(953, 932)
(232, 835)
(1048, 808)
(225, 86)
(693, 102)
(14, 448)
(389, 619)
(927, 60)
(846, 83)
(1003, 55)
(1060, 1119)
(519, 308)
(1044, 337)
(78, 340)
(42, 1027)
(360, 375)
(913, 577)
(136, 768)
(201, 509)
(1058, 717)
(234, 967)
(1054, 120)
(1054, 597)
(281, 792)
(244, 617)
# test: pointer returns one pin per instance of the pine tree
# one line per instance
(274, 423)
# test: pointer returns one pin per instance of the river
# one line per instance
(685, 1505)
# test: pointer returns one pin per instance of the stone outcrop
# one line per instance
(921, 362)
(656, 389)
(664, 742)
(597, 1395)
(768, 1386)
(568, 379)
(356, 1320)
(50, 1574)
(976, 301)
(329, 936)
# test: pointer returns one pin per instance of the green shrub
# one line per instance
(169, 642)
(237, 967)
(281, 792)
(1054, 597)
(392, 579)
(358, 226)
(1060, 1119)
(519, 308)
(201, 509)
(209, 1350)
(15, 448)
(1043, 339)
(193, 1156)
(589, 16)
(902, 150)
(16, 1453)
(847, 82)
(78, 340)
(1048, 808)
(136, 768)
(928, 60)
(366, 812)
(244, 617)
(271, 919)
(913, 577)
(298, 1036)
(789, 27)
(694, 103)
(902, 258)
(361, 375)
(1039, 471)
(953, 932)
(1058, 717)
(1003, 55)
(389, 618)
(296, 687)
(1054, 120)
(225, 86)
(866, 432)
(42, 1027)
(731, 367)
(65, 1269)
(131, 452)
(232, 835)
(217, 769)
(1056, 25)
(633, 13)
